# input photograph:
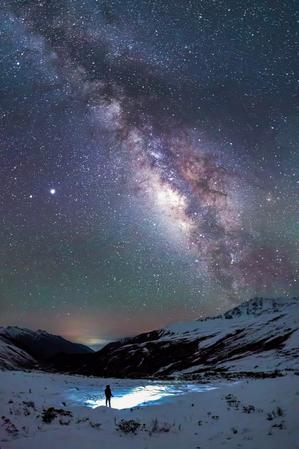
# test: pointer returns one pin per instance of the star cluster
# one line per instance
(149, 161)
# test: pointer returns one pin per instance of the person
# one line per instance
(108, 395)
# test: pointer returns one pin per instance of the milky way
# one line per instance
(149, 161)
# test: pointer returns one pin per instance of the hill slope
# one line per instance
(24, 348)
(12, 357)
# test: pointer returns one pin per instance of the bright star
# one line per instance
(52, 191)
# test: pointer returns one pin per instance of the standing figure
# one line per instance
(108, 395)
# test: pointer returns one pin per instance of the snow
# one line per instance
(80, 390)
(249, 414)
(253, 311)
(261, 338)
(255, 322)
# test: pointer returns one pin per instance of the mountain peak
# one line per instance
(258, 305)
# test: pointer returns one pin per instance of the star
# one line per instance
(52, 191)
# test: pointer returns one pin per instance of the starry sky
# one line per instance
(148, 161)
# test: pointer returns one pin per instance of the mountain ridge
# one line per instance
(260, 335)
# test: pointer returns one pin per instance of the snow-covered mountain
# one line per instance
(261, 336)
(24, 348)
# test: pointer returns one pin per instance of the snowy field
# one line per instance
(51, 411)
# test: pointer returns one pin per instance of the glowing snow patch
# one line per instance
(137, 396)
(146, 395)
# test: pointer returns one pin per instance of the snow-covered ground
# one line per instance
(249, 414)
(89, 392)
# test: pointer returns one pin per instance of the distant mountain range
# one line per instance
(24, 348)
(260, 337)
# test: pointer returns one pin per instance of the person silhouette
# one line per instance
(108, 395)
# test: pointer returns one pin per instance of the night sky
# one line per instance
(148, 161)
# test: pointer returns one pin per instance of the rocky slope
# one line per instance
(260, 336)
